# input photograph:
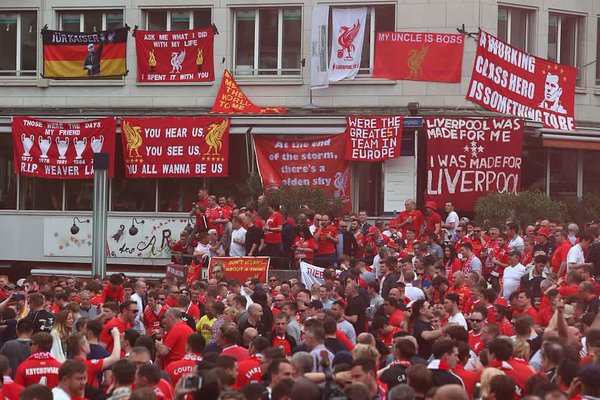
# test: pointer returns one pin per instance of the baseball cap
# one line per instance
(431, 204)
(501, 301)
(514, 252)
(544, 232)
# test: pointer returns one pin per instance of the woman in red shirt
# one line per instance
(451, 261)
(304, 246)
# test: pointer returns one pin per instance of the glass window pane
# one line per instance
(591, 172)
(178, 195)
(533, 171)
(180, 20)
(244, 41)
(202, 18)
(365, 61)
(8, 179)
(568, 40)
(157, 20)
(267, 45)
(71, 21)
(8, 42)
(40, 194)
(518, 28)
(503, 23)
(79, 194)
(114, 19)
(29, 35)
(563, 174)
(552, 37)
(92, 21)
(292, 34)
(131, 194)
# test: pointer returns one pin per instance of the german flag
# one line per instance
(84, 55)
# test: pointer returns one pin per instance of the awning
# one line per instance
(585, 139)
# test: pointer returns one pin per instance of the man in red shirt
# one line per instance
(193, 354)
(500, 356)
(249, 370)
(477, 324)
(10, 390)
(273, 246)
(41, 367)
(326, 237)
(433, 220)
(559, 257)
(113, 291)
(215, 216)
(410, 217)
(463, 292)
(478, 240)
(525, 307)
(227, 337)
(127, 312)
(173, 346)
(395, 316)
(79, 347)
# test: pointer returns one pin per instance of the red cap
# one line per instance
(373, 230)
(431, 204)
(544, 231)
(501, 301)
(393, 223)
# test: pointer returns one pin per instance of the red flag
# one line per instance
(508, 80)
(470, 157)
(419, 56)
(231, 100)
(373, 139)
(177, 56)
(313, 161)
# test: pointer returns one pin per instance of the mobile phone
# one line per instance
(192, 382)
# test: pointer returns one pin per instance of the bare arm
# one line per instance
(116, 352)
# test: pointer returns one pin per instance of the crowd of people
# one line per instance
(420, 307)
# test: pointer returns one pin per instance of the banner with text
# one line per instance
(84, 55)
(348, 28)
(231, 100)
(311, 274)
(241, 268)
(419, 56)
(510, 81)
(184, 147)
(374, 138)
(175, 56)
(61, 150)
(313, 161)
(469, 157)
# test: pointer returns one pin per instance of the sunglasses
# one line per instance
(272, 280)
(476, 320)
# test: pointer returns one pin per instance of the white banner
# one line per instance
(319, 71)
(311, 274)
(348, 32)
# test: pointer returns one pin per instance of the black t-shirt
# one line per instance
(594, 257)
(42, 320)
(357, 306)
(253, 236)
(189, 320)
(394, 375)
(334, 345)
(425, 346)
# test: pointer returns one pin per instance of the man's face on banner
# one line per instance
(552, 90)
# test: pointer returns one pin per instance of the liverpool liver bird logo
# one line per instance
(134, 141)
(214, 140)
(177, 61)
(339, 182)
(346, 40)
(415, 60)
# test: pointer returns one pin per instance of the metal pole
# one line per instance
(101, 161)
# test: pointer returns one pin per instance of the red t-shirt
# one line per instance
(324, 245)
(237, 352)
(193, 311)
(396, 318)
(568, 291)
(10, 390)
(506, 328)
(469, 378)
(477, 246)
(94, 367)
(560, 256)
(211, 215)
(275, 221)
(38, 368)
(388, 339)
(474, 340)
(431, 220)
(181, 367)
(545, 315)
(304, 243)
(106, 337)
(248, 371)
(417, 221)
(461, 241)
(152, 320)
(531, 311)
(464, 294)
(176, 339)
(110, 294)
(285, 345)
(165, 389)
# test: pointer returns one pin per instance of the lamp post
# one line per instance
(101, 161)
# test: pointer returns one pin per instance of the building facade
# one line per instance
(266, 45)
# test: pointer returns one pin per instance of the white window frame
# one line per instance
(17, 73)
(61, 14)
(169, 15)
(255, 68)
(529, 14)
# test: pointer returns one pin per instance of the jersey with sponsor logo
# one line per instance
(39, 368)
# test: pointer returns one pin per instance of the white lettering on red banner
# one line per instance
(61, 150)
(175, 147)
(510, 81)
(373, 138)
(469, 157)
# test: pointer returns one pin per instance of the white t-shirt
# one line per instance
(512, 277)
(517, 244)
(60, 394)
(452, 217)
(237, 250)
(459, 319)
(575, 256)
(203, 249)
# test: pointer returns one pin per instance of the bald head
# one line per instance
(366, 338)
(451, 392)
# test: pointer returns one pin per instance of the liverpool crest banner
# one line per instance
(510, 81)
(419, 56)
(348, 32)
(231, 100)
(177, 56)
(184, 147)
(470, 157)
(317, 161)
(61, 150)
(84, 55)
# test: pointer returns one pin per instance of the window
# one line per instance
(380, 18)
(591, 171)
(267, 41)
(178, 20)
(515, 26)
(8, 179)
(90, 20)
(18, 43)
(565, 40)
(563, 173)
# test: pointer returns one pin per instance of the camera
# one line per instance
(192, 382)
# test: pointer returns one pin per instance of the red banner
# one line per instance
(182, 147)
(175, 56)
(61, 150)
(231, 100)
(313, 161)
(419, 56)
(469, 157)
(510, 81)
(373, 138)
(241, 268)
